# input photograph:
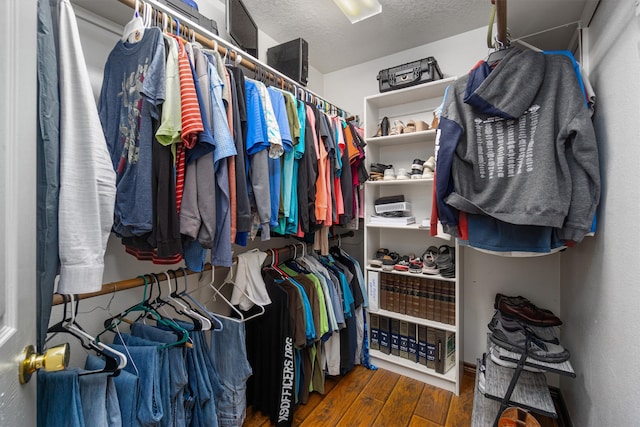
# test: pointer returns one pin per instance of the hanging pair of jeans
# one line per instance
(144, 362)
(126, 387)
(69, 400)
(229, 354)
(175, 378)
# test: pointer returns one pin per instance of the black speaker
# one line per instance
(291, 59)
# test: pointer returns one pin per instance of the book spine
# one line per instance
(385, 339)
(429, 299)
(402, 294)
(391, 293)
(440, 340)
(404, 339)
(384, 289)
(395, 337)
(437, 301)
(431, 348)
(415, 300)
(374, 321)
(413, 342)
(449, 360)
(422, 345)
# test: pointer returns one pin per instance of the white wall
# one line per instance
(600, 291)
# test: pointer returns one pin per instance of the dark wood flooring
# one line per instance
(383, 398)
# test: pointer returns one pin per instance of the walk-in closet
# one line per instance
(319, 213)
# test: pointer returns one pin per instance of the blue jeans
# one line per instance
(229, 354)
(144, 362)
(125, 385)
(176, 373)
(59, 402)
(99, 399)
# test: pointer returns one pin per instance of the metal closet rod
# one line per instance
(209, 39)
(285, 252)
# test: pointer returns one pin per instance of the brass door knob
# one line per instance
(53, 359)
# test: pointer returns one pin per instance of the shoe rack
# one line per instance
(399, 150)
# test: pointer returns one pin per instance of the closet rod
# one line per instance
(209, 39)
(122, 285)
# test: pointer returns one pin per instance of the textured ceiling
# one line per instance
(335, 43)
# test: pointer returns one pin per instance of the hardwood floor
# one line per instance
(383, 398)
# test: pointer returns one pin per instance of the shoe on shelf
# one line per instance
(398, 128)
(494, 352)
(430, 164)
(523, 309)
(435, 121)
(416, 168)
(389, 175)
(384, 126)
(402, 174)
(411, 127)
(546, 334)
(389, 261)
(429, 265)
(415, 265)
(521, 341)
(421, 126)
(377, 261)
(402, 264)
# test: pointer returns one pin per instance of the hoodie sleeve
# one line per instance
(581, 151)
(449, 134)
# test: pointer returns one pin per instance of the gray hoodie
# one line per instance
(517, 144)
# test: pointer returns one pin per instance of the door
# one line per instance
(18, 20)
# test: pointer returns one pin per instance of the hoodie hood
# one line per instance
(508, 90)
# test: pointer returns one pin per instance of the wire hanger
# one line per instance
(205, 323)
(241, 317)
(184, 294)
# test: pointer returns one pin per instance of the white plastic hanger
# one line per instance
(134, 30)
(212, 316)
(206, 323)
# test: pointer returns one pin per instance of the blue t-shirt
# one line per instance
(132, 90)
(257, 138)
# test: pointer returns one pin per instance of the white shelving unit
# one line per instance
(417, 103)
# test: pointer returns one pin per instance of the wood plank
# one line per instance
(434, 404)
(398, 409)
(461, 406)
(255, 419)
(362, 413)
(381, 385)
(336, 403)
(302, 411)
(417, 421)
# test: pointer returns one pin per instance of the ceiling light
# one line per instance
(357, 10)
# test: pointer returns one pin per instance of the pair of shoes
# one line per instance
(544, 333)
(402, 174)
(416, 168)
(377, 261)
(428, 168)
(429, 265)
(415, 265)
(397, 128)
(523, 309)
(403, 263)
(389, 175)
(494, 353)
(416, 126)
(377, 171)
(517, 417)
(389, 261)
(446, 261)
(520, 341)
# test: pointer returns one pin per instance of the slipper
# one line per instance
(398, 128)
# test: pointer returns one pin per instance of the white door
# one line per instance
(18, 20)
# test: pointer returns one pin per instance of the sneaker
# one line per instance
(389, 261)
(402, 174)
(523, 309)
(417, 168)
(429, 265)
(494, 353)
(389, 174)
(521, 341)
(402, 264)
(415, 265)
(430, 164)
(546, 334)
(377, 261)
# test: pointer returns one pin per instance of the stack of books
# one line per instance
(432, 347)
(419, 296)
